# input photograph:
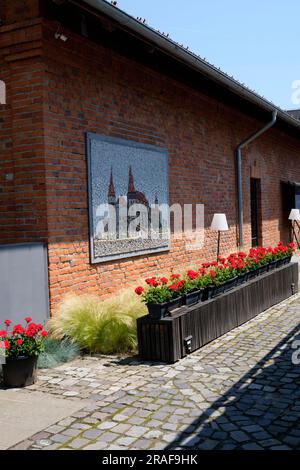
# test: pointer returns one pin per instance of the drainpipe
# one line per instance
(238, 155)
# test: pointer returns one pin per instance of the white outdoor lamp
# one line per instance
(294, 217)
(219, 223)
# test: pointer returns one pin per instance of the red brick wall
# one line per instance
(59, 91)
(12, 11)
(22, 170)
(89, 89)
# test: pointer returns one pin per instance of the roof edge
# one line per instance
(178, 52)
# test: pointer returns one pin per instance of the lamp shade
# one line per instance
(219, 222)
(294, 214)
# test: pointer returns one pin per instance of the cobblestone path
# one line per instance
(240, 392)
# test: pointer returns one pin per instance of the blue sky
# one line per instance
(256, 41)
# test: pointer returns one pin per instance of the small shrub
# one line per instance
(57, 352)
(104, 327)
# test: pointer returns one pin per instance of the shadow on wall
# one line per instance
(260, 411)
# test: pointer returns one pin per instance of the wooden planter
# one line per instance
(190, 328)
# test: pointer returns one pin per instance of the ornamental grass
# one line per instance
(104, 327)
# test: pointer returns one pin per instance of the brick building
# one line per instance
(73, 67)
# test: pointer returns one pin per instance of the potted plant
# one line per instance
(21, 347)
(283, 253)
(193, 287)
(162, 295)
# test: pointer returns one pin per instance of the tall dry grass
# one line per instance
(105, 327)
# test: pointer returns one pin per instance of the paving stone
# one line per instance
(137, 431)
(122, 428)
(60, 438)
(96, 446)
(209, 444)
(71, 432)
(55, 429)
(109, 437)
(107, 425)
(252, 446)
(125, 441)
(78, 443)
(239, 436)
(92, 434)
(80, 426)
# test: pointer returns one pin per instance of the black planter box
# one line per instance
(158, 311)
(242, 278)
(273, 265)
(262, 269)
(165, 340)
(230, 284)
(252, 274)
(194, 297)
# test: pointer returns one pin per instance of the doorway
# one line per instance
(255, 199)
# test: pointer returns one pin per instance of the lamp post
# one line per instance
(294, 217)
(219, 223)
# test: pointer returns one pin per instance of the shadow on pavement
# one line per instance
(261, 410)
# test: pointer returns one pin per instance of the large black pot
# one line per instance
(157, 311)
(19, 371)
(193, 298)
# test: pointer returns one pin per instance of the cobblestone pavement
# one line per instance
(239, 392)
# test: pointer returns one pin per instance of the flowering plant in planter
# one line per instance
(21, 346)
(161, 290)
(212, 276)
(283, 251)
(23, 341)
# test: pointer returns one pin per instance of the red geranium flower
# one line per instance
(3, 334)
(19, 341)
(213, 273)
(164, 280)
(18, 330)
(28, 319)
(174, 287)
(31, 330)
(206, 265)
(7, 322)
(151, 281)
(6, 344)
(44, 333)
(139, 290)
(192, 274)
(175, 276)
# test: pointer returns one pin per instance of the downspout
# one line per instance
(238, 155)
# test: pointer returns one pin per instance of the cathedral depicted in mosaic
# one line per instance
(121, 208)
